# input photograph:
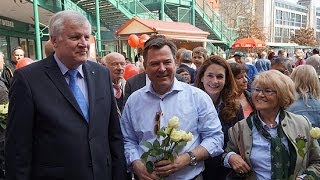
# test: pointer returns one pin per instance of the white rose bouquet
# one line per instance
(173, 141)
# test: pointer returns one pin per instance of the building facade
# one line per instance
(281, 19)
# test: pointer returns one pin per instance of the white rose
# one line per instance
(176, 135)
(315, 133)
(4, 108)
(187, 136)
(173, 122)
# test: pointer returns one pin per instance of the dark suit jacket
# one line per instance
(139, 81)
(48, 138)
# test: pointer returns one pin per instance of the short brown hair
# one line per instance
(158, 42)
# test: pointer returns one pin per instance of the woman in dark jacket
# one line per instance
(216, 79)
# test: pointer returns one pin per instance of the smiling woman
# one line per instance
(273, 130)
(216, 79)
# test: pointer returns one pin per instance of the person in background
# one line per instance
(314, 60)
(299, 58)
(139, 63)
(128, 61)
(10, 67)
(271, 55)
(178, 56)
(63, 121)
(307, 85)
(252, 70)
(239, 72)
(264, 145)
(262, 64)
(284, 65)
(199, 55)
(282, 54)
(116, 63)
(186, 63)
(197, 115)
(216, 79)
(185, 74)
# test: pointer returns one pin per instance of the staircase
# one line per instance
(114, 13)
(205, 18)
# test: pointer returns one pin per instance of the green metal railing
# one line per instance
(133, 8)
(214, 21)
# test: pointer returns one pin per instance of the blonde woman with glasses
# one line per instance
(263, 146)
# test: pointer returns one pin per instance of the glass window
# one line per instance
(14, 42)
(4, 46)
(24, 45)
(31, 47)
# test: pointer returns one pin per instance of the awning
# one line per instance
(171, 30)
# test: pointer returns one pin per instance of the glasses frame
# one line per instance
(266, 92)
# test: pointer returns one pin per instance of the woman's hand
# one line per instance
(238, 164)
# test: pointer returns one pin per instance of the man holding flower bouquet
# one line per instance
(163, 139)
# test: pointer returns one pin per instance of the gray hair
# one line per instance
(58, 20)
(186, 56)
(1, 54)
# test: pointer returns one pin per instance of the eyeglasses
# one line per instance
(157, 120)
(116, 64)
(267, 92)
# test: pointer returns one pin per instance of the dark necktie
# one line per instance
(75, 89)
(118, 92)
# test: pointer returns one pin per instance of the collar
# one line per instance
(177, 86)
(64, 69)
(265, 126)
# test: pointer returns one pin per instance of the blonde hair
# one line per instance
(299, 53)
(306, 82)
(286, 93)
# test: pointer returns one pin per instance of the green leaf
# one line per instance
(156, 144)
(148, 144)
(161, 133)
(301, 152)
(301, 144)
(144, 156)
(150, 166)
(180, 145)
(171, 157)
(165, 142)
(154, 152)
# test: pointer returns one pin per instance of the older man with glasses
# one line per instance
(116, 63)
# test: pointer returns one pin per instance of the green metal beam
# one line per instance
(162, 10)
(37, 30)
(193, 13)
(98, 35)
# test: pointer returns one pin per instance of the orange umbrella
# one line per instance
(248, 43)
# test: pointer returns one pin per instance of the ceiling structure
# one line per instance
(23, 12)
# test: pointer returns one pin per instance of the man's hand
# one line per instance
(141, 171)
(166, 167)
(238, 164)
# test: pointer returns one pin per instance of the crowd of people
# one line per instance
(71, 118)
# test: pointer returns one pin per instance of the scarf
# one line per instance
(280, 160)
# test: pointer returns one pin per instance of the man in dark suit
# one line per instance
(60, 125)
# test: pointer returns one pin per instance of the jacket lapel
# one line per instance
(54, 73)
(89, 76)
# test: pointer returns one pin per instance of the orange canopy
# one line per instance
(248, 43)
